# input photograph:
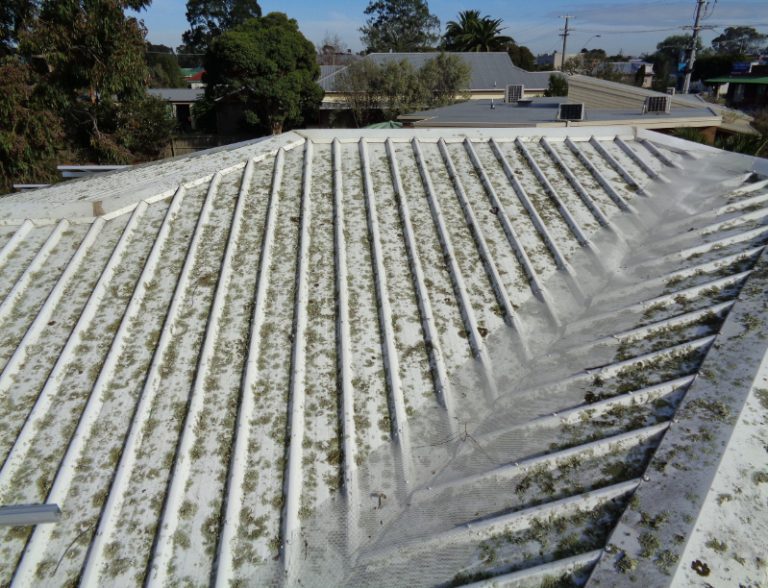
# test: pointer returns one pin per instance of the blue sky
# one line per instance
(631, 26)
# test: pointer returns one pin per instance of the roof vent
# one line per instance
(657, 104)
(514, 92)
(671, 90)
(570, 112)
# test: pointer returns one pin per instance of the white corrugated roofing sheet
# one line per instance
(389, 358)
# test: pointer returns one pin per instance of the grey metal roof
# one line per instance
(177, 94)
(489, 71)
(478, 113)
(326, 70)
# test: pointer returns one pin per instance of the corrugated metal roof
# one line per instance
(326, 70)
(375, 357)
(177, 94)
(739, 80)
(543, 111)
(597, 93)
(489, 71)
(389, 124)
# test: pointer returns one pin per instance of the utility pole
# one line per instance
(694, 39)
(564, 35)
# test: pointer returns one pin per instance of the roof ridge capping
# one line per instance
(449, 135)
(701, 464)
(119, 192)
(755, 164)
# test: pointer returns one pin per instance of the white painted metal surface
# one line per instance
(299, 358)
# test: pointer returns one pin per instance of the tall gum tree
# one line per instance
(269, 68)
(95, 76)
(30, 133)
(210, 18)
(399, 26)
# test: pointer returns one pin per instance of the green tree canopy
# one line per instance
(15, 18)
(593, 63)
(375, 92)
(522, 57)
(473, 32)
(270, 68)
(673, 47)
(30, 132)
(164, 70)
(668, 56)
(91, 45)
(210, 18)
(90, 59)
(713, 66)
(399, 25)
(444, 78)
(739, 41)
(558, 85)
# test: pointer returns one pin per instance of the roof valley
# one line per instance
(323, 297)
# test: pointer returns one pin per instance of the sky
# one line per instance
(633, 27)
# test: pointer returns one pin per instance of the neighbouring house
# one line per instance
(605, 103)
(600, 94)
(327, 73)
(193, 76)
(748, 91)
(490, 74)
(371, 357)
(553, 60)
(633, 69)
(181, 101)
(329, 56)
(543, 112)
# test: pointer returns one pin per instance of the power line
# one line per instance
(677, 28)
(166, 53)
(708, 12)
(615, 32)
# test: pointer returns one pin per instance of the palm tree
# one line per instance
(475, 33)
(455, 32)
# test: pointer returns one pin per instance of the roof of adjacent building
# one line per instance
(631, 67)
(544, 112)
(406, 357)
(177, 94)
(326, 70)
(604, 94)
(489, 71)
(388, 124)
(761, 80)
(193, 74)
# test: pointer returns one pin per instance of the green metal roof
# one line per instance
(390, 124)
(739, 80)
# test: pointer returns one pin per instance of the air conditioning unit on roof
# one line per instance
(514, 92)
(671, 90)
(570, 112)
(657, 104)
